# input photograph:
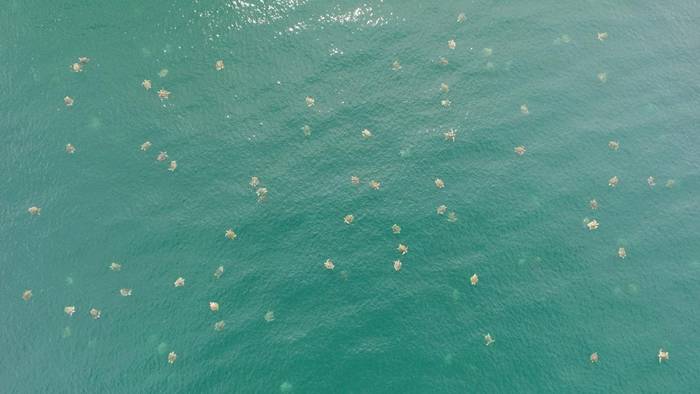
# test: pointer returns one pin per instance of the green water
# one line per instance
(551, 292)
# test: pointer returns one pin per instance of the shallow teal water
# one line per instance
(551, 292)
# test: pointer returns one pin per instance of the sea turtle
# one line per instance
(69, 310)
(450, 135)
(261, 193)
(622, 253)
(403, 249)
(593, 203)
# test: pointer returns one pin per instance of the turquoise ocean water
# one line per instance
(551, 292)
